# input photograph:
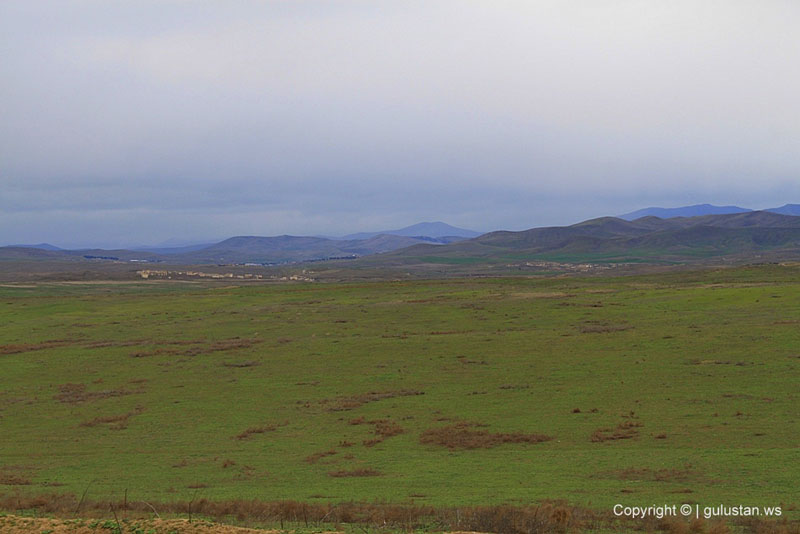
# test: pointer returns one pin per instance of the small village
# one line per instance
(148, 274)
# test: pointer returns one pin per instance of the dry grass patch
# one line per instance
(356, 401)
(15, 475)
(625, 430)
(14, 479)
(547, 517)
(28, 347)
(598, 327)
(107, 344)
(386, 429)
(448, 332)
(466, 361)
(115, 422)
(317, 456)
(232, 344)
(543, 295)
(241, 365)
(247, 433)
(199, 347)
(76, 393)
(464, 436)
(684, 474)
(355, 473)
(26, 525)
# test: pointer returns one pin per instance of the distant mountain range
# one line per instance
(703, 209)
(428, 229)
(746, 235)
(257, 249)
(285, 248)
(42, 246)
(742, 236)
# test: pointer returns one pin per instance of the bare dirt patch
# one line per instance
(599, 327)
(449, 332)
(16, 475)
(114, 422)
(687, 473)
(14, 479)
(261, 429)
(384, 428)
(543, 295)
(28, 347)
(76, 393)
(356, 401)
(549, 516)
(201, 347)
(317, 456)
(624, 430)
(241, 365)
(464, 436)
(355, 473)
(25, 525)
(107, 344)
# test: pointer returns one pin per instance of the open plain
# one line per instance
(593, 391)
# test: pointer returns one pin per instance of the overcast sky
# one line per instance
(133, 122)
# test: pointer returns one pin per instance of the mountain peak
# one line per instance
(683, 211)
(424, 229)
(786, 209)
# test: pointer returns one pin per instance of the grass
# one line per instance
(596, 391)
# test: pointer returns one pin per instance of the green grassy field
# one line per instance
(660, 389)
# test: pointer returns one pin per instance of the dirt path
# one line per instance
(10, 524)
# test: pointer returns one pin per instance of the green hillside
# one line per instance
(741, 238)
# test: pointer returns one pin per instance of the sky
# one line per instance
(135, 122)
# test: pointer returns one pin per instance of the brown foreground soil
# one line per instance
(11, 524)
(291, 517)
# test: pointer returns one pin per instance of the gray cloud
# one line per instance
(144, 120)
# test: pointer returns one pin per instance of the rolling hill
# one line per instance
(787, 209)
(744, 235)
(42, 246)
(683, 211)
(240, 249)
(704, 209)
(428, 229)
(285, 248)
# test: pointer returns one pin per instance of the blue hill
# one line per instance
(787, 209)
(685, 211)
(426, 229)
